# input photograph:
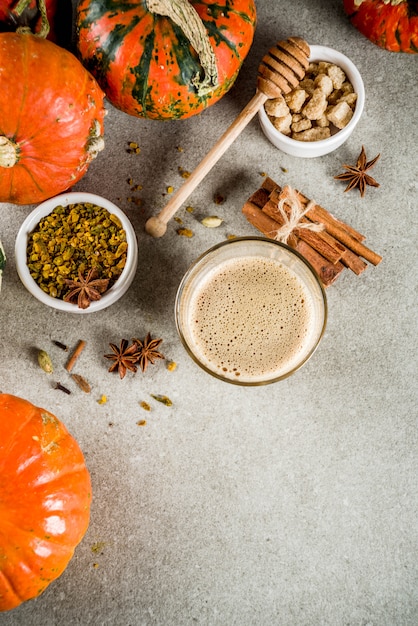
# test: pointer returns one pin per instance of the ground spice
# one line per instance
(74, 239)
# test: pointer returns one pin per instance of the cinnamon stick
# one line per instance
(335, 251)
(336, 230)
(331, 250)
(320, 214)
(74, 356)
(327, 271)
(260, 220)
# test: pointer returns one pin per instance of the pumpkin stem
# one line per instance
(182, 13)
(44, 28)
(95, 142)
(8, 152)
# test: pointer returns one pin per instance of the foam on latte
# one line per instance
(251, 318)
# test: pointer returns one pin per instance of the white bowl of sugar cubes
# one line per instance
(320, 114)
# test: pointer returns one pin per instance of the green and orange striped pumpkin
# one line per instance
(164, 59)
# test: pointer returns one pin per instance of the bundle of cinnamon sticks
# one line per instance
(329, 250)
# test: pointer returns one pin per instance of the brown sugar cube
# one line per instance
(340, 114)
(276, 107)
(312, 134)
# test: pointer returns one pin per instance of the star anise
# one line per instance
(357, 176)
(147, 351)
(85, 290)
(124, 357)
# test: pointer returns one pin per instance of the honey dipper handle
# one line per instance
(156, 226)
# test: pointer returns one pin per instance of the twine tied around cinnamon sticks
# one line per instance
(326, 242)
(292, 211)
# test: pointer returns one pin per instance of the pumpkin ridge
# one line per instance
(22, 425)
(141, 89)
(6, 583)
(219, 38)
(30, 175)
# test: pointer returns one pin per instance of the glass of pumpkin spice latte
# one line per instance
(250, 311)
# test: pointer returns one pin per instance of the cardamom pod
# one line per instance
(45, 362)
(212, 221)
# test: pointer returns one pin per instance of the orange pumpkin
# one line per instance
(45, 495)
(165, 59)
(51, 119)
(390, 24)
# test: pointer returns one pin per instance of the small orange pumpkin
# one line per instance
(51, 119)
(45, 495)
(390, 24)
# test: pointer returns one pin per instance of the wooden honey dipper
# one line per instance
(279, 72)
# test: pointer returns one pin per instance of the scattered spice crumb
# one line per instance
(102, 400)
(218, 198)
(263, 174)
(185, 232)
(133, 148)
(81, 382)
(95, 565)
(170, 189)
(110, 424)
(97, 547)
(178, 220)
(284, 170)
(163, 399)
(171, 366)
(189, 209)
(230, 237)
(141, 423)
(183, 173)
(137, 201)
(180, 149)
(144, 405)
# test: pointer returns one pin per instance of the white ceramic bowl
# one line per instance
(110, 296)
(308, 149)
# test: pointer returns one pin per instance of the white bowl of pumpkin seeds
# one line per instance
(77, 252)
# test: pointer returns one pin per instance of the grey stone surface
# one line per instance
(291, 504)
